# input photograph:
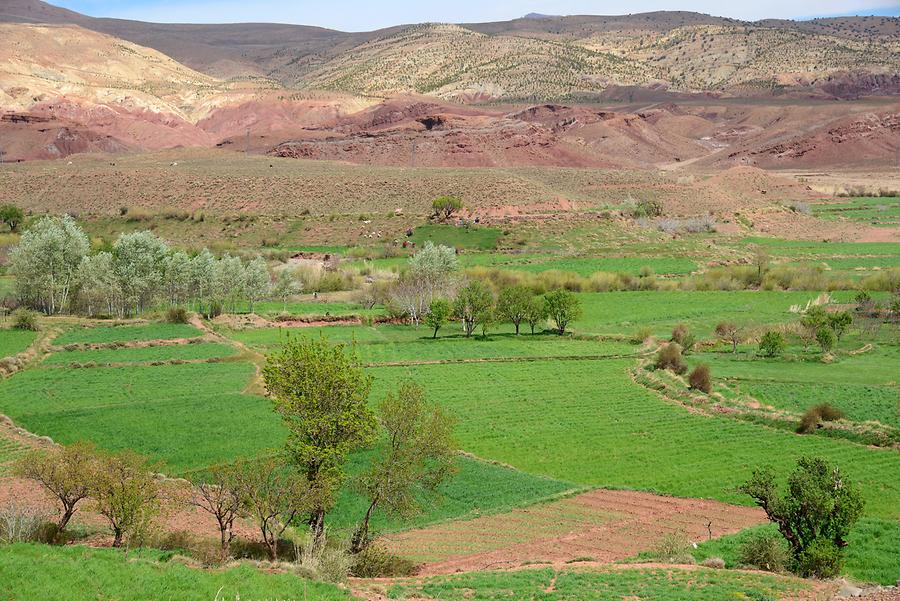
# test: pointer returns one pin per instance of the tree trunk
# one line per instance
(66, 516)
(360, 537)
(517, 328)
(435, 334)
(117, 541)
(317, 525)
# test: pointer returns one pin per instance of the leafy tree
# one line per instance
(815, 514)
(815, 319)
(434, 262)
(438, 314)
(46, 262)
(321, 393)
(772, 344)
(127, 494)
(513, 305)
(536, 313)
(563, 307)
(176, 277)
(730, 332)
(445, 206)
(286, 286)
(203, 280)
(761, 262)
(430, 276)
(65, 472)
(138, 266)
(273, 495)
(219, 494)
(98, 287)
(415, 456)
(840, 322)
(471, 305)
(826, 338)
(256, 281)
(12, 216)
(230, 281)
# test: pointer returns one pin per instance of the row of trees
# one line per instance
(56, 272)
(322, 394)
(433, 292)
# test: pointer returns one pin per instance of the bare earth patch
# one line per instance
(600, 526)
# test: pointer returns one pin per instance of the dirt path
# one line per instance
(600, 526)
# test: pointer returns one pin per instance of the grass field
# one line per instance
(474, 237)
(84, 574)
(9, 451)
(871, 556)
(173, 352)
(106, 334)
(13, 342)
(601, 585)
(586, 422)
(881, 211)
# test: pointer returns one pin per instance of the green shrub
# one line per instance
(24, 319)
(821, 559)
(826, 338)
(700, 379)
(772, 344)
(670, 357)
(376, 562)
(766, 551)
(177, 315)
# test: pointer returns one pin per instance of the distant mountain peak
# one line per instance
(539, 16)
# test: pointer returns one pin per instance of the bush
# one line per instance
(716, 563)
(700, 379)
(24, 524)
(765, 551)
(177, 315)
(674, 548)
(772, 344)
(826, 338)
(24, 319)
(376, 562)
(821, 559)
(682, 335)
(814, 416)
(669, 357)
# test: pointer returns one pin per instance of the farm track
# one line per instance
(603, 525)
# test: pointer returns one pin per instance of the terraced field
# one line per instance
(146, 354)
(108, 334)
(13, 342)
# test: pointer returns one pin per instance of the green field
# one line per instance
(474, 237)
(13, 342)
(147, 354)
(106, 334)
(882, 211)
(586, 422)
(9, 451)
(612, 585)
(85, 574)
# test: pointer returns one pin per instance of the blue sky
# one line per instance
(362, 15)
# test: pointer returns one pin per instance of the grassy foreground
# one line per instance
(84, 574)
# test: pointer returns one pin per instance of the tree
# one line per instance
(66, 472)
(176, 277)
(536, 313)
(273, 495)
(815, 514)
(772, 344)
(138, 266)
(286, 286)
(826, 339)
(445, 206)
(46, 262)
(321, 393)
(416, 455)
(563, 307)
(127, 494)
(471, 304)
(97, 284)
(438, 314)
(430, 276)
(219, 494)
(434, 262)
(682, 335)
(812, 321)
(203, 280)
(12, 216)
(513, 305)
(730, 332)
(761, 262)
(256, 281)
(230, 281)
(840, 322)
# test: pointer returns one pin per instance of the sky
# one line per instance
(367, 15)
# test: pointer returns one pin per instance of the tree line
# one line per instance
(57, 271)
